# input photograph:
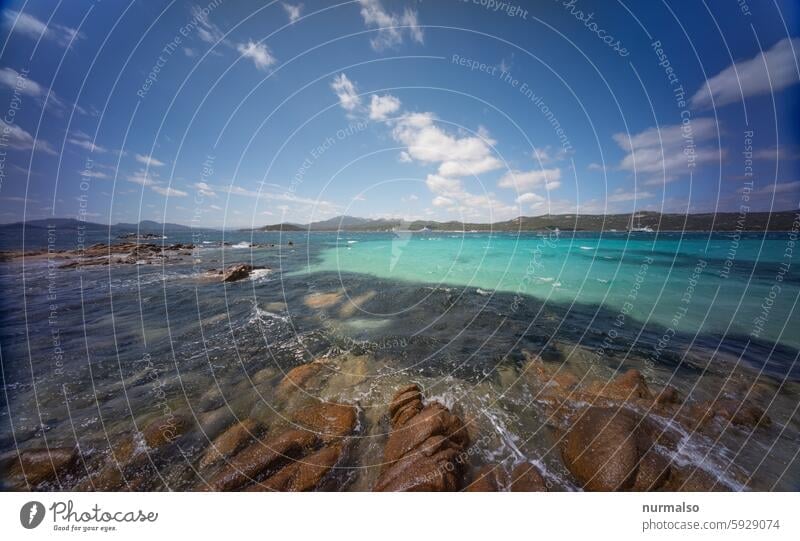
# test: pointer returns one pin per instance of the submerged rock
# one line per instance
(527, 478)
(425, 448)
(296, 459)
(165, 430)
(232, 440)
(261, 458)
(297, 378)
(31, 467)
(237, 272)
(487, 479)
(329, 421)
(609, 449)
(303, 474)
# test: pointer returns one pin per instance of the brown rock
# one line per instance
(237, 272)
(608, 449)
(322, 300)
(487, 479)
(261, 458)
(304, 474)
(727, 409)
(232, 440)
(296, 378)
(165, 430)
(668, 396)
(693, 480)
(30, 467)
(526, 478)
(628, 386)
(423, 452)
(330, 421)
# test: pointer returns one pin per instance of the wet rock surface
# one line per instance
(327, 425)
(237, 272)
(422, 452)
(32, 467)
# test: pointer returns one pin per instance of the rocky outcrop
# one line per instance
(296, 459)
(237, 272)
(231, 441)
(30, 468)
(328, 421)
(129, 464)
(727, 410)
(424, 451)
(297, 378)
(262, 458)
(489, 478)
(611, 449)
(527, 478)
(303, 474)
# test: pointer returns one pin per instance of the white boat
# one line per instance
(639, 228)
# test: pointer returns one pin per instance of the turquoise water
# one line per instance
(687, 283)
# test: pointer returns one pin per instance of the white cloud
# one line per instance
(140, 177)
(775, 67)
(441, 201)
(30, 26)
(346, 92)
(19, 139)
(777, 153)
(26, 86)
(86, 144)
(621, 196)
(547, 155)
(390, 26)
(258, 53)
(668, 135)
(204, 189)
(777, 188)
(457, 156)
(152, 181)
(523, 180)
(293, 11)
(169, 192)
(94, 174)
(206, 30)
(149, 160)
(667, 150)
(382, 106)
(12, 79)
(444, 186)
(529, 199)
(594, 167)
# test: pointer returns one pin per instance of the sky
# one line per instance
(231, 114)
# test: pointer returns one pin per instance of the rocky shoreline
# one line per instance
(610, 435)
(135, 253)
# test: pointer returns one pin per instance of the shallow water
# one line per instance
(86, 354)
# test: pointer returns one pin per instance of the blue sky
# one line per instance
(220, 113)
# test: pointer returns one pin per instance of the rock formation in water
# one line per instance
(425, 449)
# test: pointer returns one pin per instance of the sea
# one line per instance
(88, 352)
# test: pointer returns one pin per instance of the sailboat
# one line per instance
(639, 228)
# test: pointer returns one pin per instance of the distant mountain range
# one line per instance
(721, 221)
(145, 226)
